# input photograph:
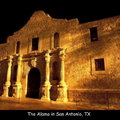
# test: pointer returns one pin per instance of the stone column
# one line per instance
(62, 87)
(8, 83)
(46, 87)
(18, 86)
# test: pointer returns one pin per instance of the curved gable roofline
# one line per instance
(36, 16)
(39, 17)
(39, 14)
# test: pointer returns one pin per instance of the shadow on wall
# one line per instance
(54, 90)
(3, 75)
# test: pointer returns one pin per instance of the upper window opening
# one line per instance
(35, 44)
(18, 47)
(56, 40)
(93, 34)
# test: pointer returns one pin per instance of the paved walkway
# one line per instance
(36, 104)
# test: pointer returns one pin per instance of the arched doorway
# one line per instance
(33, 85)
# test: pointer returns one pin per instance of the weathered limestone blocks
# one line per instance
(62, 93)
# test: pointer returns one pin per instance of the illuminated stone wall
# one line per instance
(80, 73)
(82, 53)
(43, 26)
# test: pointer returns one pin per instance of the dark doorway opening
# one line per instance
(33, 86)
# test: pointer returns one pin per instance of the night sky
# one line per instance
(14, 15)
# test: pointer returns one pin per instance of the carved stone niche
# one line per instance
(34, 62)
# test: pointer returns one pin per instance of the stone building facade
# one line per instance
(62, 60)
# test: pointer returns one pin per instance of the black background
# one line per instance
(94, 115)
(15, 14)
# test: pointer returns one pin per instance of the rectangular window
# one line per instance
(93, 34)
(17, 47)
(35, 44)
(99, 64)
(56, 40)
